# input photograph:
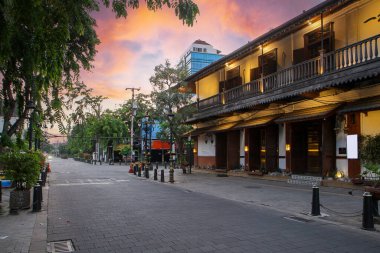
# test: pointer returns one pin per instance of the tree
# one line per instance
(168, 98)
(45, 44)
(106, 129)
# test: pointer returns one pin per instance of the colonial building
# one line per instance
(288, 99)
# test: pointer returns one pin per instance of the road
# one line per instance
(105, 209)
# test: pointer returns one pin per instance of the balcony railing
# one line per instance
(343, 58)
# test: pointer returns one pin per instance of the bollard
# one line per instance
(43, 178)
(171, 176)
(155, 175)
(315, 207)
(1, 191)
(139, 172)
(135, 168)
(367, 222)
(147, 172)
(165, 165)
(162, 176)
(40, 192)
(36, 198)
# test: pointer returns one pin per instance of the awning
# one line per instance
(365, 104)
(308, 114)
(196, 131)
(256, 122)
(222, 128)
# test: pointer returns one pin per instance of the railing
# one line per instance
(354, 54)
(209, 102)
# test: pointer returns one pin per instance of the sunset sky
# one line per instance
(130, 48)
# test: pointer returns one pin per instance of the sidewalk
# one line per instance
(26, 231)
(342, 206)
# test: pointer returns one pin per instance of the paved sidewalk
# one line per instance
(25, 232)
(15, 230)
(339, 205)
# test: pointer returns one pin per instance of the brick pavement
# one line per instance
(104, 209)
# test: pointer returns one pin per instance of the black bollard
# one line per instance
(36, 198)
(315, 206)
(147, 172)
(162, 176)
(171, 175)
(139, 172)
(367, 222)
(43, 178)
(40, 191)
(134, 169)
(155, 175)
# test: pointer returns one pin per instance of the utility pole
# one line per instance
(134, 107)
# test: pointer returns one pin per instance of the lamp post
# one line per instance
(146, 138)
(189, 151)
(171, 172)
(140, 140)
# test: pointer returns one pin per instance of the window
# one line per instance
(267, 65)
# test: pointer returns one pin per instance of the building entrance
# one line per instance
(306, 148)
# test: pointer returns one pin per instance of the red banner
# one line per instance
(158, 144)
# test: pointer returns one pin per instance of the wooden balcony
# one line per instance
(324, 71)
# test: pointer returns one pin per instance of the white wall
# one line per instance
(341, 142)
(281, 146)
(206, 149)
(242, 144)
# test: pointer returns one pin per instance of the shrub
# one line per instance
(370, 154)
(23, 168)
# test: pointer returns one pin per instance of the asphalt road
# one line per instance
(104, 209)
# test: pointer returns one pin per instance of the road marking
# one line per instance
(83, 183)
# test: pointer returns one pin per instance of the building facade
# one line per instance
(199, 55)
(289, 100)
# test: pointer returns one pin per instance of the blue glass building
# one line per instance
(199, 55)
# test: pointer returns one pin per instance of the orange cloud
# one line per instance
(131, 47)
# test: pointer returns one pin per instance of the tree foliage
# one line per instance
(170, 96)
(45, 44)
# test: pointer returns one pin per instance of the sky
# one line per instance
(130, 48)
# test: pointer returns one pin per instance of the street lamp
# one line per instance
(171, 172)
(146, 139)
(189, 141)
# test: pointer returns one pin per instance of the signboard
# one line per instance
(352, 146)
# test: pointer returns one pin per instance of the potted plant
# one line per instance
(23, 168)
(370, 156)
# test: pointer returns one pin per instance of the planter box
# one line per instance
(19, 200)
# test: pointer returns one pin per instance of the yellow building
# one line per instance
(288, 99)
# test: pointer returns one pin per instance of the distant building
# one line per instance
(199, 55)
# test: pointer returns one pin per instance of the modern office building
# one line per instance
(199, 55)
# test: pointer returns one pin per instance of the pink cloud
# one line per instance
(131, 47)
